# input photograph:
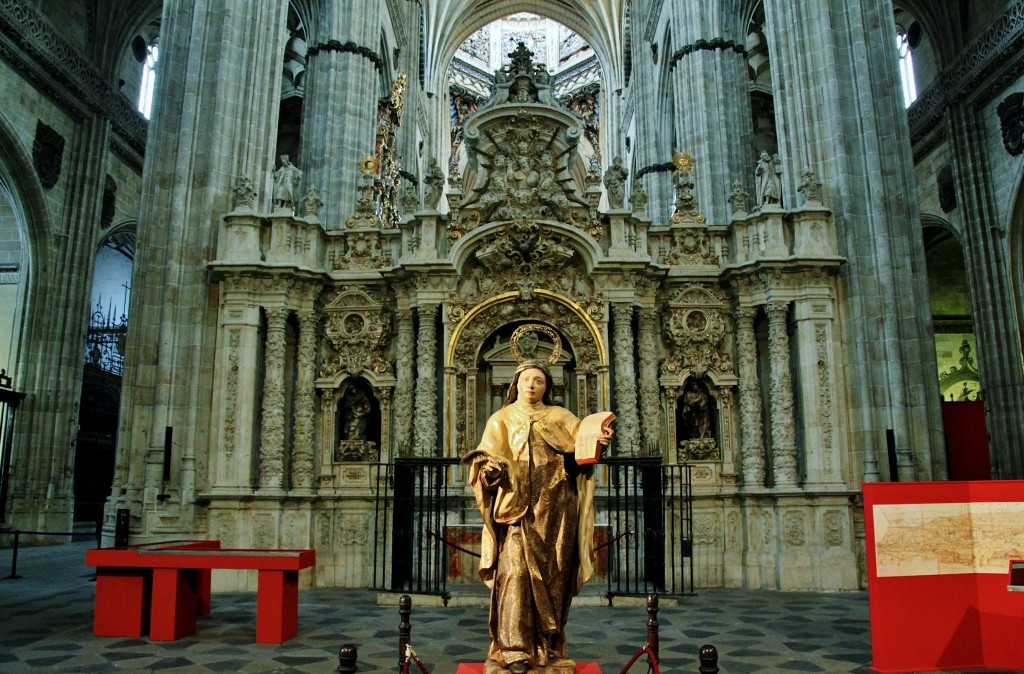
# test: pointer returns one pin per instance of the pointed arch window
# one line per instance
(906, 68)
(148, 84)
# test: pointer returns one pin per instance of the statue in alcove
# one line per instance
(355, 410)
(695, 424)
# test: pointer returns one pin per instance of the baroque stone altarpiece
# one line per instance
(342, 345)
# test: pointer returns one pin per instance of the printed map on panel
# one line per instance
(945, 538)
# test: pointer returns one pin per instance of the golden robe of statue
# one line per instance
(538, 539)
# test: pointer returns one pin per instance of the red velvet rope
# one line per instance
(651, 657)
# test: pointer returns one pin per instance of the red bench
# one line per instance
(164, 588)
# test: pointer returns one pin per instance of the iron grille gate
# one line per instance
(647, 506)
(650, 512)
(410, 519)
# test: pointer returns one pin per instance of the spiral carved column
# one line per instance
(752, 447)
(272, 428)
(426, 385)
(625, 380)
(305, 402)
(784, 468)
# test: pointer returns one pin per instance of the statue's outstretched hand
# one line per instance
(606, 437)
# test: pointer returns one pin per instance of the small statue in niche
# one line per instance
(767, 175)
(696, 413)
(695, 419)
(356, 408)
(286, 184)
(615, 183)
(433, 180)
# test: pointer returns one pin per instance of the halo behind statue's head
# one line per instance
(522, 330)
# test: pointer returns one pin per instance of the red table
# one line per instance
(169, 586)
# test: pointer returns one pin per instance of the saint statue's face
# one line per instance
(531, 386)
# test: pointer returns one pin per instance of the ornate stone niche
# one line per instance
(356, 380)
(698, 366)
(358, 427)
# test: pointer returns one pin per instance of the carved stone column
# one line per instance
(628, 432)
(752, 447)
(272, 428)
(405, 344)
(425, 430)
(650, 406)
(784, 468)
(305, 402)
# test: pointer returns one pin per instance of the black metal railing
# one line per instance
(410, 519)
(650, 512)
(9, 401)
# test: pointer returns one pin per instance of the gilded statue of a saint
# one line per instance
(537, 504)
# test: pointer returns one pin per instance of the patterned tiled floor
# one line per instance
(45, 625)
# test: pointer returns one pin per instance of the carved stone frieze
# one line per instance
(522, 256)
(357, 328)
(698, 449)
(45, 55)
(362, 250)
(695, 325)
(691, 246)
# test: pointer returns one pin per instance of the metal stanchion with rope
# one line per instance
(17, 536)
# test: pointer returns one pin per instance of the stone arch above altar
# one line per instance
(479, 358)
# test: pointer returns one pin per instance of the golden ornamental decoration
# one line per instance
(368, 164)
(530, 328)
(683, 162)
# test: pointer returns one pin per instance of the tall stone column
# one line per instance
(708, 72)
(628, 431)
(650, 404)
(405, 345)
(752, 448)
(845, 121)
(425, 430)
(272, 425)
(339, 118)
(305, 402)
(993, 295)
(214, 121)
(784, 469)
